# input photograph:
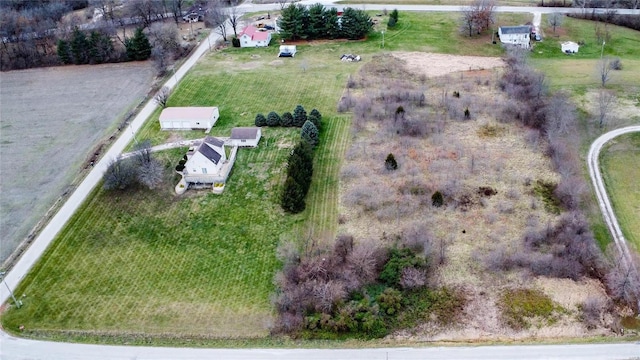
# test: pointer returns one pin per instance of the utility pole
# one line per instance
(15, 301)
(382, 39)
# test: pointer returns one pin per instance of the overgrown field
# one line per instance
(498, 192)
(621, 172)
(51, 119)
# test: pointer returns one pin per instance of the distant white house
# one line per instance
(287, 51)
(205, 161)
(515, 35)
(188, 118)
(253, 37)
(569, 47)
(245, 136)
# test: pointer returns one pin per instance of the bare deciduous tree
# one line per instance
(555, 20)
(606, 101)
(282, 3)
(162, 96)
(149, 172)
(216, 18)
(234, 19)
(604, 68)
(478, 16)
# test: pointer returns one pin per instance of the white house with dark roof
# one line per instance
(515, 35)
(189, 118)
(245, 136)
(205, 162)
(251, 36)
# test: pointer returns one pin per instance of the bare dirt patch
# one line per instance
(51, 119)
(432, 64)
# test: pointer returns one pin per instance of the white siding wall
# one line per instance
(198, 162)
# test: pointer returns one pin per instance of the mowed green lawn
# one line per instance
(620, 164)
(198, 265)
(578, 71)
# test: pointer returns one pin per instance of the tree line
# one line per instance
(31, 32)
(317, 22)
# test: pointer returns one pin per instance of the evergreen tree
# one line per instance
(437, 199)
(394, 15)
(316, 23)
(390, 162)
(79, 46)
(292, 22)
(287, 120)
(356, 24)
(63, 52)
(316, 118)
(260, 120)
(273, 119)
(138, 47)
(309, 133)
(300, 165)
(292, 199)
(392, 22)
(332, 28)
(299, 116)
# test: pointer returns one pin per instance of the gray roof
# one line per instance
(239, 133)
(214, 141)
(210, 153)
(524, 29)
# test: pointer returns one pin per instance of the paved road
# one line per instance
(593, 160)
(21, 349)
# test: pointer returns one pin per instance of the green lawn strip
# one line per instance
(148, 262)
(623, 42)
(619, 165)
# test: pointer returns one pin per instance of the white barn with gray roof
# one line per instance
(245, 136)
(515, 35)
(205, 162)
(189, 118)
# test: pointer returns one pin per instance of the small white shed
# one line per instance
(245, 136)
(287, 51)
(188, 118)
(569, 47)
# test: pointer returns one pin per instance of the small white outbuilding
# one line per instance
(245, 136)
(287, 51)
(189, 118)
(569, 47)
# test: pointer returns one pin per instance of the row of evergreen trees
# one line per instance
(97, 48)
(317, 22)
(299, 174)
(297, 119)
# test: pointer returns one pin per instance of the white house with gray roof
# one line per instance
(205, 162)
(515, 35)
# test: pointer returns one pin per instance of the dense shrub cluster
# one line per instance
(298, 21)
(141, 169)
(355, 290)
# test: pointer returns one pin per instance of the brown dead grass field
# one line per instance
(52, 118)
(456, 157)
